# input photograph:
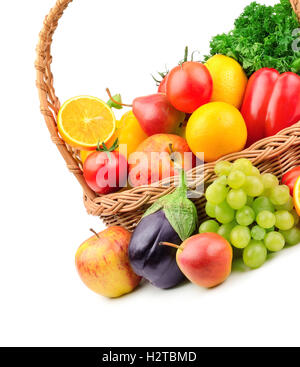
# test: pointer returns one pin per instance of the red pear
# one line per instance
(156, 115)
(205, 259)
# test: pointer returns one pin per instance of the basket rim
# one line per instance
(137, 197)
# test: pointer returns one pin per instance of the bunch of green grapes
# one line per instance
(251, 210)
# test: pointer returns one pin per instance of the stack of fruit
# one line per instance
(205, 111)
(251, 213)
(194, 104)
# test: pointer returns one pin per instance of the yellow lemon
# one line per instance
(216, 129)
(229, 80)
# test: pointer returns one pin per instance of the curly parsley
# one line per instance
(262, 37)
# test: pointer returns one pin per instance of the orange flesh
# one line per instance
(85, 121)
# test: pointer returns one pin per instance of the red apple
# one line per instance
(103, 263)
(159, 156)
(156, 115)
(205, 259)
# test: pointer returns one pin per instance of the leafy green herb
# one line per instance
(263, 37)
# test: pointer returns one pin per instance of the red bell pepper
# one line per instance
(271, 103)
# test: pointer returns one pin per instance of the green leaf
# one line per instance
(158, 205)
(182, 215)
(179, 210)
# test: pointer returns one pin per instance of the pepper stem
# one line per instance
(116, 102)
(169, 244)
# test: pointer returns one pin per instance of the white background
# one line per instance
(42, 300)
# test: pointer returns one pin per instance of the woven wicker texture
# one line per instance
(275, 154)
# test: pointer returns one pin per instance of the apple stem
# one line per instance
(169, 244)
(95, 233)
(116, 102)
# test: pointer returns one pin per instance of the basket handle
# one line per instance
(49, 103)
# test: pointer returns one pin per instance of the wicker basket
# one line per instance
(275, 154)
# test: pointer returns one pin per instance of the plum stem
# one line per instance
(116, 102)
(169, 244)
(95, 233)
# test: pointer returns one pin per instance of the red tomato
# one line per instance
(189, 86)
(290, 178)
(163, 85)
(105, 172)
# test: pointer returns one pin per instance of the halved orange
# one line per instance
(297, 196)
(84, 121)
(85, 153)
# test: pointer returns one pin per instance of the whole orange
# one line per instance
(216, 129)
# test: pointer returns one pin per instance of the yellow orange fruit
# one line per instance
(297, 196)
(229, 80)
(84, 121)
(115, 135)
(130, 132)
(216, 129)
(84, 154)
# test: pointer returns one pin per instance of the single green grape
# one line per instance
(255, 254)
(240, 236)
(226, 229)
(216, 194)
(258, 233)
(224, 213)
(236, 179)
(274, 241)
(223, 168)
(245, 216)
(222, 180)
(243, 165)
(280, 195)
(255, 172)
(253, 186)
(292, 236)
(262, 203)
(266, 219)
(296, 216)
(287, 206)
(210, 209)
(269, 181)
(284, 220)
(209, 226)
(236, 198)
